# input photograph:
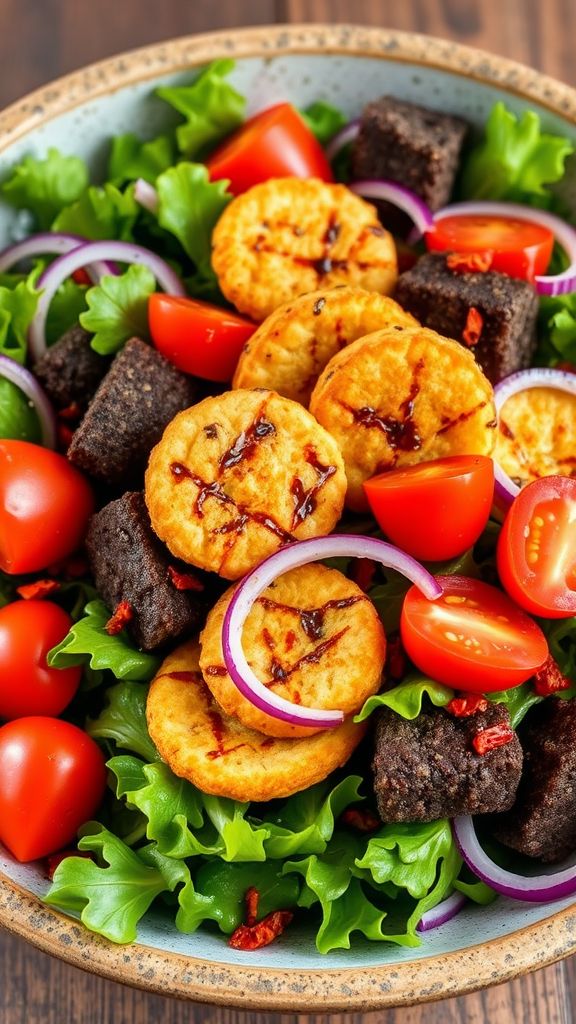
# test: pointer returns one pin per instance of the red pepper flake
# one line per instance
(549, 679)
(64, 435)
(469, 262)
(81, 277)
(363, 572)
(396, 660)
(466, 704)
(121, 617)
(71, 413)
(252, 898)
(184, 580)
(249, 937)
(361, 819)
(55, 859)
(488, 739)
(39, 589)
(473, 329)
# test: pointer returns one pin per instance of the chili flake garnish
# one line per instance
(489, 739)
(466, 704)
(249, 937)
(550, 679)
(39, 589)
(123, 614)
(252, 900)
(70, 413)
(362, 820)
(469, 262)
(473, 329)
(184, 580)
(65, 435)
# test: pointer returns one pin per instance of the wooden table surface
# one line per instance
(41, 39)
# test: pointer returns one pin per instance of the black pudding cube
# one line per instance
(134, 403)
(441, 299)
(70, 370)
(130, 564)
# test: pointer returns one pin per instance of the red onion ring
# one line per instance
(538, 889)
(146, 195)
(565, 234)
(342, 138)
(52, 242)
(301, 553)
(443, 912)
(538, 377)
(401, 197)
(27, 383)
(64, 266)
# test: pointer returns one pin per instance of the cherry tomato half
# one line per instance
(537, 548)
(197, 337)
(519, 248)
(28, 686)
(472, 637)
(274, 144)
(45, 504)
(437, 509)
(52, 780)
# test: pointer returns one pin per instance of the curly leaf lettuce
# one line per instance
(189, 206)
(305, 823)
(45, 186)
(131, 159)
(211, 107)
(89, 642)
(226, 886)
(118, 309)
(518, 700)
(100, 213)
(515, 160)
(123, 720)
(406, 698)
(18, 419)
(17, 310)
(324, 120)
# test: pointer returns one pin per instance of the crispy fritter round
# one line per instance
(236, 477)
(537, 435)
(291, 348)
(222, 757)
(402, 396)
(314, 635)
(288, 236)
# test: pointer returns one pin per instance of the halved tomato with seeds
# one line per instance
(519, 248)
(537, 548)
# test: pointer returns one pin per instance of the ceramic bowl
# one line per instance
(79, 113)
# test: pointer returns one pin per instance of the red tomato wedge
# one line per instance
(472, 637)
(437, 509)
(197, 337)
(45, 505)
(518, 248)
(537, 548)
(274, 144)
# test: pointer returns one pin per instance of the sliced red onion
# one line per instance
(83, 255)
(302, 553)
(537, 889)
(342, 138)
(51, 242)
(538, 377)
(401, 197)
(565, 235)
(443, 912)
(28, 384)
(146, 195)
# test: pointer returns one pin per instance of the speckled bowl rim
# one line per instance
(251, 986)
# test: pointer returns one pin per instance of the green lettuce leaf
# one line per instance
(225, 885)
(99, 213)
(17, 310)
(478, 892)
(557, 329)
(118, 309)
(18, 419)
(189, 206)
(65, 309)
(46, 186)
(518, 700)
(89, 642)
(211, 106)
(124, 721)
(305, 823)
(515, 160)
(406, 698)
(130, 158)
(323, 120)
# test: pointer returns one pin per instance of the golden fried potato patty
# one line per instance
(291, 348)
(537, 435)
(288, 236)
(402, 396)
(220, 755)
(313, 635)
(236, 477)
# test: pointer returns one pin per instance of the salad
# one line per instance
(287, 521)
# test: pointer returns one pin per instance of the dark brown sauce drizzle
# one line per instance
(211, 430)
(461, 418)
(246, 442)
(215, 670)
(505, 430)
(186, 677)
(218, 732)
(305, 498)
(401, 433)
(312, 619)
(280, 674)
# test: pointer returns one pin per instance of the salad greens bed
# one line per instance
(160, 837)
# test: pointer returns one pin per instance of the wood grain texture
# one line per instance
(45, 38)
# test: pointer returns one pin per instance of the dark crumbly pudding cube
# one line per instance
(542, 822)
(136, 400)
(414, 146)
(441, 298)
(70, 370)
(427, 769)
(130, 564)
